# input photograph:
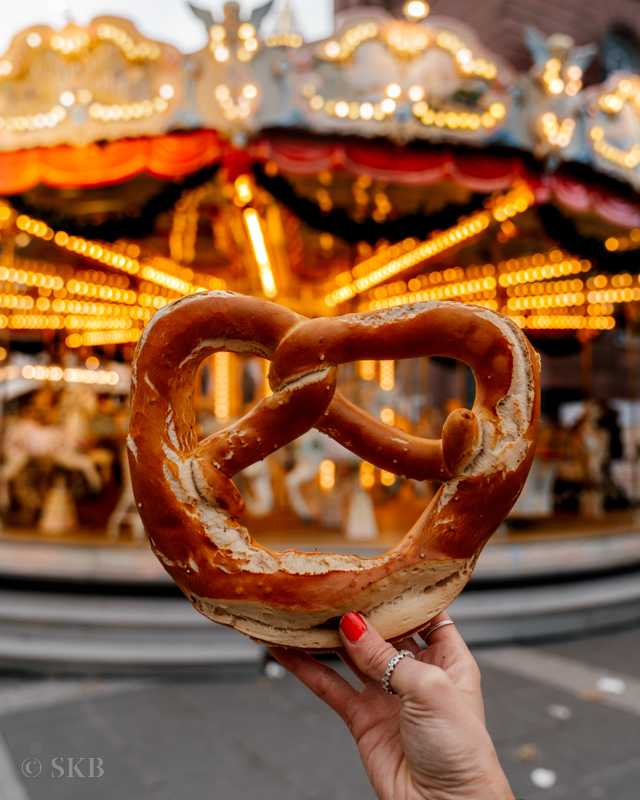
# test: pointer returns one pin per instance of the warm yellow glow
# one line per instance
(388, 416)
(416, 93)
(246, 31)
(367, 370)
(143, 51)
(366, 474)
(56, 374)
(465, 60)
(389, 261)
(393, 90)
(553, 264)
(416, 9)
(577, 322)
(97, 338)
(332, 49)
(244, 192)
(387, 375)
(557, 133)
(327, 474)
(387, 478)
(254, 227)
(221, 53)
(350, 41)
(221, 380)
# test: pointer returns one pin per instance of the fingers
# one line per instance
(371, 654)
(408, 644)
(447, 633)
(324, 682)
(447, 637)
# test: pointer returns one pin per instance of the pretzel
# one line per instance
(190, 506)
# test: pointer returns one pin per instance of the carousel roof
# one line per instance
(411, 80)
(392, 130)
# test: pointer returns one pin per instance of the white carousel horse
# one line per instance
(62, 444)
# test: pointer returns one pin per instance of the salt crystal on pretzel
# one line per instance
(190, 506)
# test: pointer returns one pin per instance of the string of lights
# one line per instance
(389, 262)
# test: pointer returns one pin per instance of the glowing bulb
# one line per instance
(221, 53)
(166, 91)
(416, 93)
(249, 91)
(416, 9)
(388, 106)
(393, 90)
(342, 109)
(34, 40)
(366, 111)
(246, 31)
(332, 49)
(67, 99)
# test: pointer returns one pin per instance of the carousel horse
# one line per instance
(63, 444)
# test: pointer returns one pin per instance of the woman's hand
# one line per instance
(427, 743)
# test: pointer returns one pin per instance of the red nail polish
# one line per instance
(353, 625)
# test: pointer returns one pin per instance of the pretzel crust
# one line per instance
(190, 506)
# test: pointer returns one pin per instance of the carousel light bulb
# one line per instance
(332, 49)
(388, 416)
(256, 236)
(556, 86)
(166, 91)
(246, 30)
(327, 474)
(250, 91)
(366, 111)
(5, 67)
(388, 106)
(217, 33)
(251, 44)
(67, 99)
(342, 109)
(394, 90)
(416, 93)
(221, 53)
(222, 93)
(416, 9)
(34, 39)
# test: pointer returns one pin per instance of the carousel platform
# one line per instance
(76, 605)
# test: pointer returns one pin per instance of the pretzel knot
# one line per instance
(190, 506)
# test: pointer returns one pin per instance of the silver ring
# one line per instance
(437, 625)
(391, 666)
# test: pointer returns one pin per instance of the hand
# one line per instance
(428, 742)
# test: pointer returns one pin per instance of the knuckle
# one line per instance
(432, 679)
(373, 658)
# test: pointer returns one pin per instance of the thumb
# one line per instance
(371, 654)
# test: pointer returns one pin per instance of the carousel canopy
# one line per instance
(397, 160)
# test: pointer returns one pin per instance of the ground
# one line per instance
(242, 736)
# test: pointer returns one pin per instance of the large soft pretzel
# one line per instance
(190, 506)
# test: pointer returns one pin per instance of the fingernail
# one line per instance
(353, 625)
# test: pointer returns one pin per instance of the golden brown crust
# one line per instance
(190, 506)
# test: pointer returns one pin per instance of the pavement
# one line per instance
(565, 718)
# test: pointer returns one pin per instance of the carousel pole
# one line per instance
(586, 367)
(632, 378)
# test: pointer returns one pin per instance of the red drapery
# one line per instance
(178, 155)
(169, 157)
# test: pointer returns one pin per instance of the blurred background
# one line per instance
(331, 157)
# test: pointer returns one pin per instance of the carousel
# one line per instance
(397, 161)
